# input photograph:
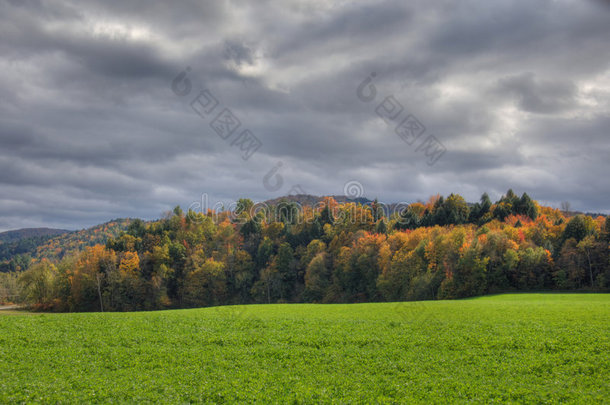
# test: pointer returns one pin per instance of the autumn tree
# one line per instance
(205, 285)
(579, 227)
(317, 278)
(37, 284)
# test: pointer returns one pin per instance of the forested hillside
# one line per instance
(331, 252)
(19, 248)
(75, 241)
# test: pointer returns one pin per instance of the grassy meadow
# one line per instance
(542, 348)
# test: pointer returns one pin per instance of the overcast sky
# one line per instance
(517, 93)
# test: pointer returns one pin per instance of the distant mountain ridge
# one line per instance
(14, 235)
(311, 200)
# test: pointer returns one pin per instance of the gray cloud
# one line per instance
(539, 96)
(518, 92)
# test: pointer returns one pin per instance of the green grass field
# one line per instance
(506, 348)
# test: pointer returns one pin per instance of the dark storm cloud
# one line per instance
(518, 92)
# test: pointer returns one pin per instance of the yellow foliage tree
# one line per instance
(130, 264)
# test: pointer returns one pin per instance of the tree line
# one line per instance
(441, 249)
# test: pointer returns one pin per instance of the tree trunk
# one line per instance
(99, 291)
(590, 269)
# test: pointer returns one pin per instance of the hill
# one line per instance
(334, 253)
(76, 241)
(517, 348)
(17, 253)
(389, 207)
